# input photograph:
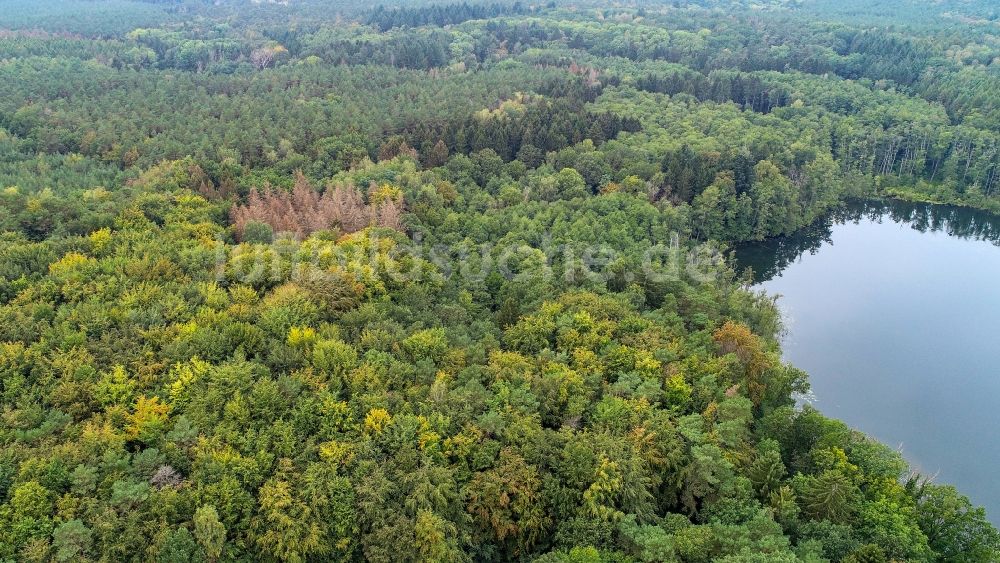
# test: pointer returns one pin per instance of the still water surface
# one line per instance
(894, 311)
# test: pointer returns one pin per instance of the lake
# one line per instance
(894, 311)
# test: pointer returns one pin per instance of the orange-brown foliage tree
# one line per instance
(305, 210)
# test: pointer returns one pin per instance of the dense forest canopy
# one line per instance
(430, 281)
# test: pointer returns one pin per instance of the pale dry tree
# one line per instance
(262, 57)
(390, 215)
(165, 476)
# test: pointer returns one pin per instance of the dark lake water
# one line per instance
(894, 311)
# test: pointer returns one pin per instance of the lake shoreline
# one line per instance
(886, 304)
